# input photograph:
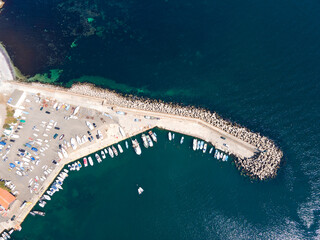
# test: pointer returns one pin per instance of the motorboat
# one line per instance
(98, 158)
(153, 135)
(211, 149)
(85, 162)
(144, 140)
(127, 145)
(140, 190)
(150, 143)
(205, 148)
(170, 136)
(114, 150)
(110, 152)
(120, 148)
(103, 155)
(182, 139)
(194, 144)
(73, 143)
(136, 146)
(90, 161)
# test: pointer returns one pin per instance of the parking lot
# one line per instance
(29, 151)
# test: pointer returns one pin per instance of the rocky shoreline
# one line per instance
(263, 165)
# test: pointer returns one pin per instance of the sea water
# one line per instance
(255, 63)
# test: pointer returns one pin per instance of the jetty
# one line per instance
(255, 155)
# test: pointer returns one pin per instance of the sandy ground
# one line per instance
(5, 72)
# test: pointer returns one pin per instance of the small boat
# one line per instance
(50, 193)
(215, 153)
(79, 164)
(110, 152)
(153, 135)
(201, 145)
(169, 136)
(127, 145)
(144, 140)
(98, 158)
(46, 197)
(89, 125)
(84, 139)
(120, 148)
(78, 140)
(99, 134)
(38, 213)
(173, 135)
(211, 149)
(122, 132)
(73, 143)
(103, 155)
(90, 161)
(114, 150)
(136, 146)
(198, 146)
(181, 140)
(149, 141)
(194, 144)
(140, 190)
(205, 148)
(76, 110)
(85, 162)
(60, 155)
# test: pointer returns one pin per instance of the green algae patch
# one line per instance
(74, 44)
(51, 77)
(90, 20)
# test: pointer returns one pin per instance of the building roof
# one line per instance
(6, 198)
(16, 98)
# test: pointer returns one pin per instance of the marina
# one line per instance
(112, 124)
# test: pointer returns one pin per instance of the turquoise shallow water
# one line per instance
(256, 63)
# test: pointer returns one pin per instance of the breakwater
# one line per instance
(262, 165)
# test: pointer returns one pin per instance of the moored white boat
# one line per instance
(205, 148)
(110, 152)
(153, 135)
(211, 149)
(98, 158)
(136, 146)
(127, 145)
(103, 155)
(182, 139)
(169, 136)
(90, 161)
(114, 150)
(64, 152)
(120, 148)
(150, 143)
(194, 144)
(144, 140)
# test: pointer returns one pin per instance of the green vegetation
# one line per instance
(9, 119)
(4, 187)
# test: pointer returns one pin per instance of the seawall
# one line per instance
(260, 159)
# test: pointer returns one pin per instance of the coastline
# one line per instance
(256, 156)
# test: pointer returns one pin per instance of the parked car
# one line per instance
(47, 112)
(55, 136)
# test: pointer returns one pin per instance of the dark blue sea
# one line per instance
(256, 63)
